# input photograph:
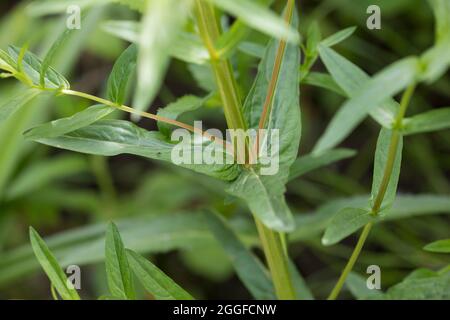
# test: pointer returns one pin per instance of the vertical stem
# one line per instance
(381, 191)
(209, 29)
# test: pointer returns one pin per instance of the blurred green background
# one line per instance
(68, 197)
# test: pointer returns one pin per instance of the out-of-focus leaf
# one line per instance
(51, 267)
(302, 291)
(322, 80)
(380, 163)
(154, 280)
(352, 80)
(120, 279)
(187, 46)
(62, 126)
(428, 288)
(344, 223)
(10, 106)
(260, 18)
(38, 174)
(249, 269)
(433, 120)
(120, 75)
(374, 92)
(440, 246)
(154, 45)
(357, 285)
(175, 109)
(114, 137)
(441, 9)
(311, 162)
(313, 38)
(338, 37)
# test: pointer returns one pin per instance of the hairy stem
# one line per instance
(396, 128)
(271, 241)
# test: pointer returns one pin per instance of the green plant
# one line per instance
(271, 103)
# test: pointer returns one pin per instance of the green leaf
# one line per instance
(381, 87)
(32, 67)
(440, 246)
(41, 173)
(62, 126)
(381, 157)
(259, 18)
(302, 291)
(187, 47)
(441, 9)
(120, 280)
(322, 80)
(428, 288)
(352, 80)
(264, 197)
(114, 137)
(175, 109)
(11, 106)
(248, 267)
(313, 38)
(154, 280)
(433, 120)
(284, 109)
(338, 37)
(153, 57)
(51, 267)
(357, 285)
(121, 73)
(52, 52)
(344, 223)
(311, 162)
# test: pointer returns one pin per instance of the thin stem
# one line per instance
(392, 153)
(149, 116)
(351, 262)
(271, 241)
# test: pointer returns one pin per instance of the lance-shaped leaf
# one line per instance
(273, 104)
(302, 292)
(374, 92)
(433, 120)
(121, 73)
(175, 109)
(154, 45)
(114, 137)
(338, 37)
(187, 46)
(249, 269)
(32, 67)
(259, 18)
(357, 285)
(79, 120)
(51, 267)
(12, 105)
(352, 79)
(154, 280)
(344, 223)
(311, 162)
(264, 196)
(118, 272)
(440, 246)
(380, 163)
